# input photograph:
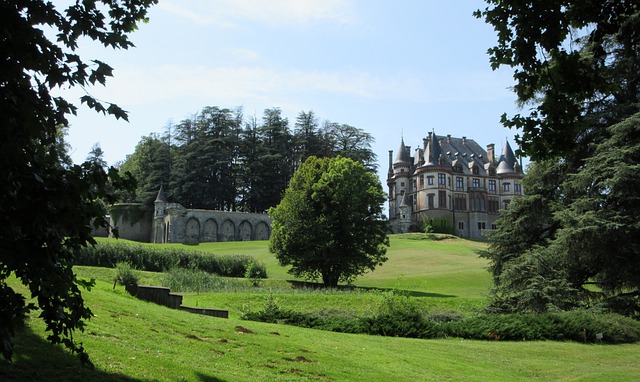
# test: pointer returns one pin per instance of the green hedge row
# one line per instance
(162, 259)
(574, 326)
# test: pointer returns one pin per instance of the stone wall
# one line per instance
(132, 220)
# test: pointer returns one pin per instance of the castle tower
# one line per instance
(160, 205)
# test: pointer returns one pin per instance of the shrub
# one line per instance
(162, 259)
(195, 280)
(125, 275)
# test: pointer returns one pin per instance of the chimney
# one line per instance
(448, 138)
(491, 153)
(464, 140)
(390, 161)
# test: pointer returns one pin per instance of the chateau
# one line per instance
(453, 184)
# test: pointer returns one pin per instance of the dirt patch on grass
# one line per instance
(242, 329)
(194, 337)
(297, 359)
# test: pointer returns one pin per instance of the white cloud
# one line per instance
(229, 13)
(245, 84)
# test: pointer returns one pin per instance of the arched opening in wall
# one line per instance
(244, 231)
(192, 231)
(210, 231)
(228, 231)
(262, 231)
(166, 233)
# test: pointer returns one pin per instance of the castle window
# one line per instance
(442, 199)
(430, 180)
(506, 204)
(492, 185)
(506, 187)
(476, 182)
(460, 225)
(459, 182)
(492, 171)
(401, 184)
(517, 188)
(493, 205)
(421, 181)
(482, 225)
(442, 179)
(493, 226)
(460, 202)
(431, 202)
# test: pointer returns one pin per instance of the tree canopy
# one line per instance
(573, 240)
(575, 67)
(49, 206)
(219, 159)
(329, 224)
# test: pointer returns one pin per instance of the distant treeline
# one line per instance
(218, 159)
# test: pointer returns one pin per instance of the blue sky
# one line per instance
(393, 68)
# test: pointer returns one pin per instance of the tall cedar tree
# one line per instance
(572, 241)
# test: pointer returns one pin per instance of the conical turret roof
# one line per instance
(507, 161)
(161, 196)
(402, 156)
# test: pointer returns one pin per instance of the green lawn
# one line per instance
(133, 340)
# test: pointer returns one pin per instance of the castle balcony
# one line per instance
(477, 189)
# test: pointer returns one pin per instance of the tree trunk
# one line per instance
(330, 279)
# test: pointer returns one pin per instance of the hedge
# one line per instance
(162, 259)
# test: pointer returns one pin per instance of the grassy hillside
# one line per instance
(133, 340)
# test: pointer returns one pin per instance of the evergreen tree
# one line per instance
(573, 240)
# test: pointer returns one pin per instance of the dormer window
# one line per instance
(475, 170)
(492, 171)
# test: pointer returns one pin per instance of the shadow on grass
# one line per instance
(208, 378)
(35, 359)
(413, 293)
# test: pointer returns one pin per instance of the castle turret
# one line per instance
(160, 205)
(507, 162)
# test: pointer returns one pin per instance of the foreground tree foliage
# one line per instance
(574, 240)
(48, 206)
(329, 224)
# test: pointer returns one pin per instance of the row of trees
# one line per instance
(574, 240)
(218, 159)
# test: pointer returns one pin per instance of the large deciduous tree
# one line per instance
(329, 224)
(48, 205)
(574, 239)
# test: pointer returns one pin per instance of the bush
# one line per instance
(125, 275)
(397, 316)
(575, 325)
(162, 259)
(195, 280)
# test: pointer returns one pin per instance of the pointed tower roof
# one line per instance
(161, 196)
(403, 155)
(432, 151)
(507, 161)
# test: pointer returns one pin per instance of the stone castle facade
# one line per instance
(451, 183)
(173, 223)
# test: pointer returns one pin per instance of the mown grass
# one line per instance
(134, 340)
